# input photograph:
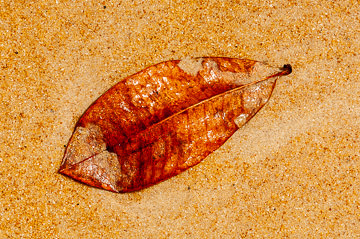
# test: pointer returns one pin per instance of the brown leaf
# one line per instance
(164, 119)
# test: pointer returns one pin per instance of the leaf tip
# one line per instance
(87, 160)
(91, 173)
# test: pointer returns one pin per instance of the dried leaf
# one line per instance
(164, 119)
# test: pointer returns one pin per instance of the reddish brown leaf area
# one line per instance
(164, 119)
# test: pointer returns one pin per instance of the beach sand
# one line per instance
(292, 171)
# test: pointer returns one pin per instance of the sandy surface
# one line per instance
(292, 171)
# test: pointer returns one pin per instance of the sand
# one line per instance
(292, 171)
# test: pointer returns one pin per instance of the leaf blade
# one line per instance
(172, 115)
